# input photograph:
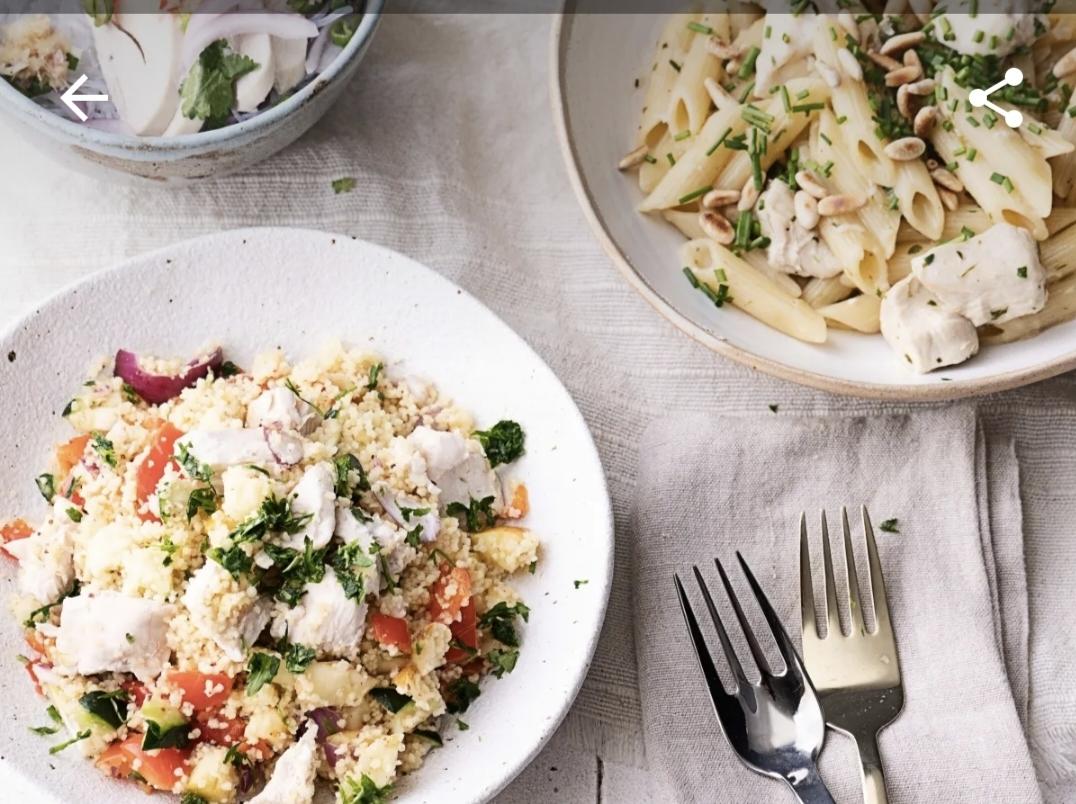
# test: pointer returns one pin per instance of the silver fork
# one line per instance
(775, 725)
(857, 675)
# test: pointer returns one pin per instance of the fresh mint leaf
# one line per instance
(208, 91)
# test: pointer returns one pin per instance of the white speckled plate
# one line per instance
(594, 62)
(258, 288)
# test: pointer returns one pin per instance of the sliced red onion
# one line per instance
(158, 388)
(327, 719)
(284, 26)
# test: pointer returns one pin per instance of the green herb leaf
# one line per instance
(890, 526)
(234, 559)
(474, 517)
(203, 499)
(503, 442)
(298, 657)
(344, 184)
(345, 561)
(208, 91)
(82, 735)
(261, 669)
(363, 791)
(192, 467)
(460, 695)
(500, 620)
(502, 660)
(103, 447)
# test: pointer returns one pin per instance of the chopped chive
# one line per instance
(671, 158)
(973, 122)
(785, 99)
(717, 144)
(747, 92)
(806, 108)
(699, 28)
(747, 69)
(979, 35)
(685, 199)
(972, 153)
(825, 139)
(675, 66)
(842, 120)
(650, 160)
(683, 135)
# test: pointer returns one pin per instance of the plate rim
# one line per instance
(903, 392)
(608, 523)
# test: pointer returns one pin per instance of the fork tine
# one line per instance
(784, 644)
(718, 694)
(833, 617)
(878, 595)
(807, 615)
(752, 642)
(722, 634)
(855, 609)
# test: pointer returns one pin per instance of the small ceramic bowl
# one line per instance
(191, 156)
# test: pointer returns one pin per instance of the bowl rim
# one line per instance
(906, 392)
(509, 772)
(21, 104)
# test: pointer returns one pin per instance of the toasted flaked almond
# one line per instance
(904, 101)
(905, 75)
(885, 62)
(905, 149)
(911, 59)
(717, 227)
(924, 120)
(806, 209)
(839, 204)
(829, 75)
(947, 179)
(1066, 64)
(633, 158)
(949, 199)
(748, 196)
(849, 65)
(922, 87)
(901, 42)
(723, 51)
(720, 198)
(718, 94)
(807, 181)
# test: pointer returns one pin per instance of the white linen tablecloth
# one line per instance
(448, 131)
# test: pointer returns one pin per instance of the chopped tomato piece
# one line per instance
(33, 678)
(67, 455)
(157, 767)
(465, 632)
(136, 691)
(151, 470)
(391, 631)
(449, 594)
(201, 690)
(217, 729)
(14, 530)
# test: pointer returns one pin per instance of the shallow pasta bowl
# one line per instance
(596, 59)
(240, 289)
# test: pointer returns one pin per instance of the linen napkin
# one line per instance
(711, 486)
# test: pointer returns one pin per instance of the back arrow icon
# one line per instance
(69, 97)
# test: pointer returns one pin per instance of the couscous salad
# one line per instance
(249, 578)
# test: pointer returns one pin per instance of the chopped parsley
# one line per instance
(584, 581)
(344, 184)
(345, 561)
(773, 408)
(890, 526)
(261, 669)
(502, 660)
(192, 798)
(203, 499)
(192, 467)
(500, 620)
(298, 657)
(503, 442)
(460, 695)
(350, 477)
(42, 614)
(1022, 272)
(274, 516)
(233, 558)
(208, 91)
(293, 569)
(475, 517)
(74, 514)
(364, 791)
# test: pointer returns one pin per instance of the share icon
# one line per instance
(981, 97)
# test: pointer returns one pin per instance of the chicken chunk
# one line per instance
(114, 633)
(293, 776)
(314, 494)
(793, 249)
(279, 407)
(325, 619)
(222, 448)
(46, 564)
(224, 611)
(990, 278)
(927, 335)
(457, 466)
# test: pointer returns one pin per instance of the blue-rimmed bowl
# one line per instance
(192, 156)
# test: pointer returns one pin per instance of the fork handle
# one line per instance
(870, 763)
(810, 789)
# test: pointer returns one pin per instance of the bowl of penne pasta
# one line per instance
(874, 204)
